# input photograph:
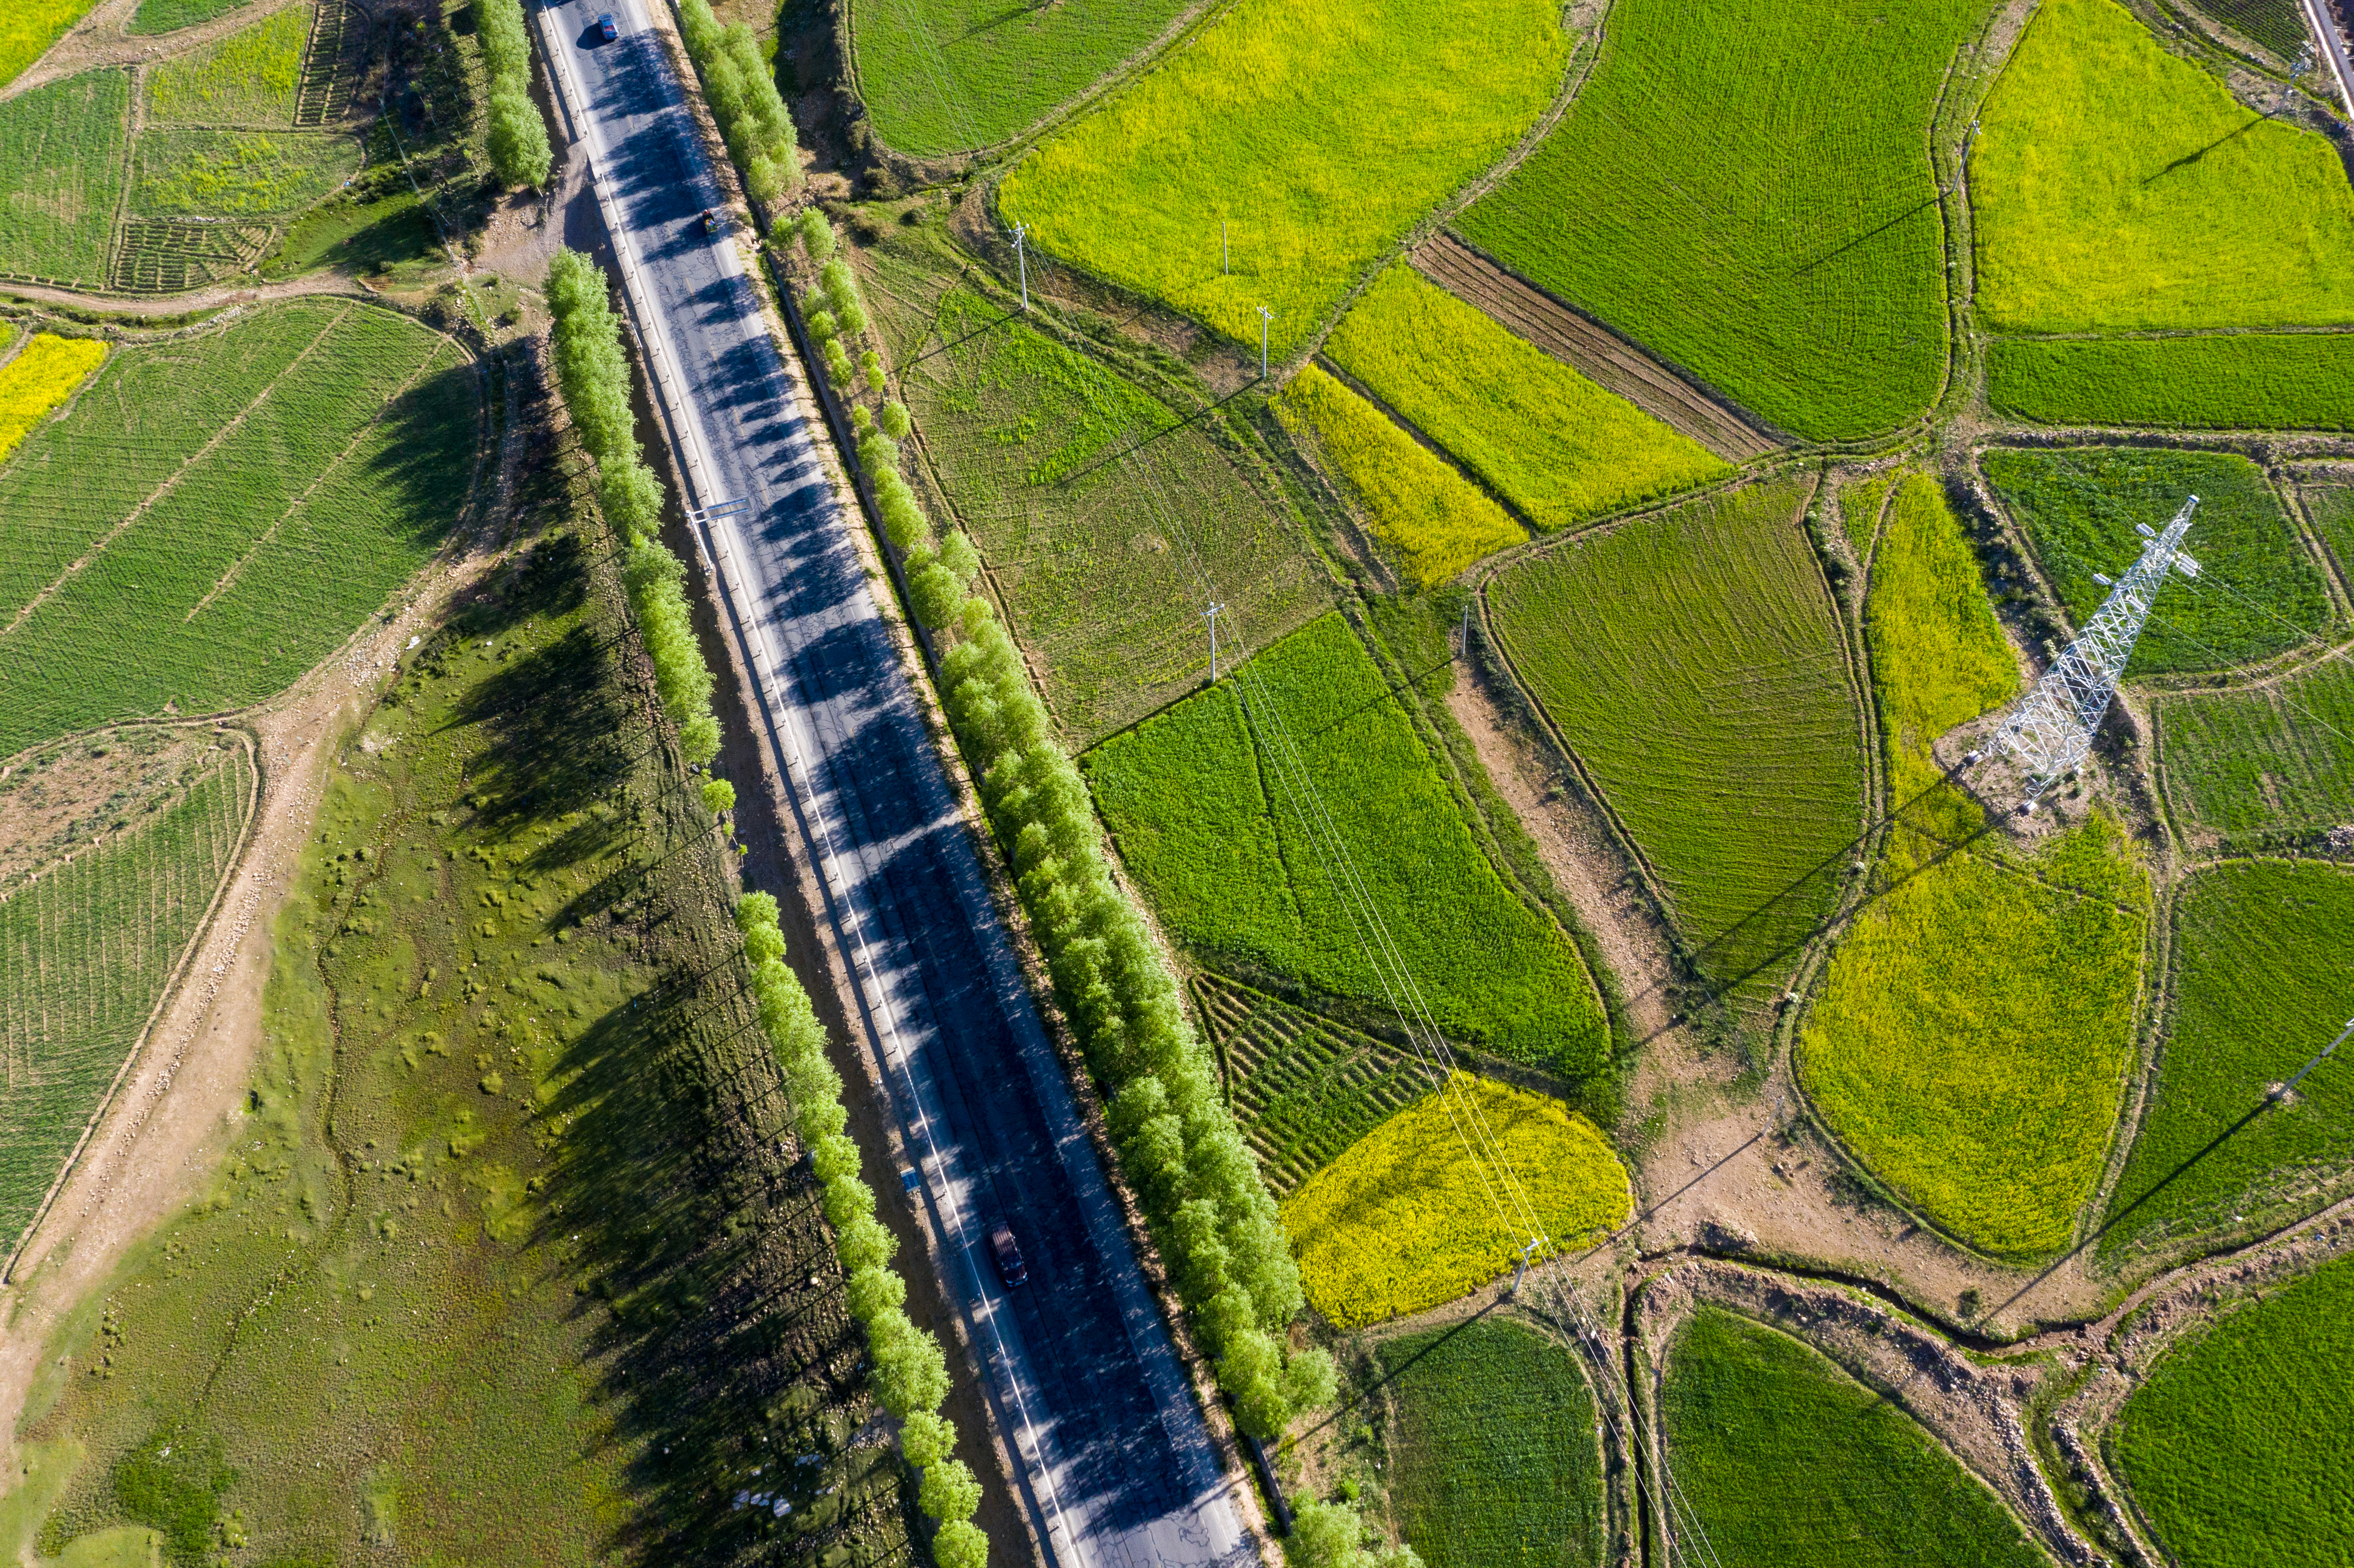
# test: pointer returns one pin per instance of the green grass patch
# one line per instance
(250, 563)
(1432, 521)
(2270, 381)
(940, 76)
(1938, 655)
(2078, 509)
(2331, 507)
(234, 174)
(1303, 1087)
(88, 938)
(443, 1297)
(1206, 824)
(2116, 185)
(1859, 505)
(1092, 550)
(28, 28)
(2219, 1447)
(247, 79)
(1498, 1464)
(1406, 1219)
(2259, 987)
(169, 15)
(1539, 434)
(1746, 191)
(371, 236)
(1318, 133)
(2257, 767)
(1787, 1460)
(61, 160)
(1693, 661)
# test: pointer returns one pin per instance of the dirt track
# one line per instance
(1596, 353)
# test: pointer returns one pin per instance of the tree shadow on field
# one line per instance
(727, 1348)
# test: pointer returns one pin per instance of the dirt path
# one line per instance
(1594, 351)
(99, 39)
(308, 284)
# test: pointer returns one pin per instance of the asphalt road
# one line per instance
(1113, 1459)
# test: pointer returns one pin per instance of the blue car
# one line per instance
(605, 29)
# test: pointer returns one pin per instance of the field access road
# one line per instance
(1112, 1457)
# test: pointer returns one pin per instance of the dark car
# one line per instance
(605, 29)
(1009, 1256)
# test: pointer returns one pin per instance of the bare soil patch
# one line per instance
(1590, 349)
(70, 794)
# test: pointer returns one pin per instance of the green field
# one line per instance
(2078, 508)
(1320, 134)
(2116, 185)
(163, 15)
(1547, 440)
(2259, 987)
(1212, 833)
(1971, 1041)
(144, 570)
(1787, 1460)
(939, 76)
(2246, 766)
(2331, 507)
(237, 174)
(2266, 381)
(445, 1299)
(1303, 1087)
(1938, 655)
(1433, 521)
(86, 944)
(28, 28)
(2276, 25)
(61, 171)
(1093, 560)
(1497, 1465)
(1693, 663)
(1746, 190)
(247, 79)
(1410, 1216)
(1859, 505)
(2226, 1448)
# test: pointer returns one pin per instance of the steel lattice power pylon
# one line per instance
(2053, 725)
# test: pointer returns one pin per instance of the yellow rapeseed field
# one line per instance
(40, 378)
(1401, 1221)
(1317, 131)
(27, 29)
(1436, 521)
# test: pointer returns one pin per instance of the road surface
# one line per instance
(1113, 1458)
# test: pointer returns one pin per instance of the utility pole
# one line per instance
(1021, 232)
(1265, 316)
(1211, 615)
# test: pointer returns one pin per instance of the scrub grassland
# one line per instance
(1404, 1220)
(510, 1256)
(2116, 185)
(215, 513)
(2259, 586)
(1557, 447)
(2272, 381)
(941, 76)
(1025, 434)
(1201, 802)
(1432, 519)
(1744, 190)
(2219, 1447)
(1692, 661)
(1496, 1461)
(247, 79)
(43, 375)
(2259, 987)
(89, 932)
(1750, 1416)
(62, 156)
(1319, 131)
(2264, 764)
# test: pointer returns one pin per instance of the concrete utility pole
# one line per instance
(1021, 232)
(1211, 615)
(1265, 316)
